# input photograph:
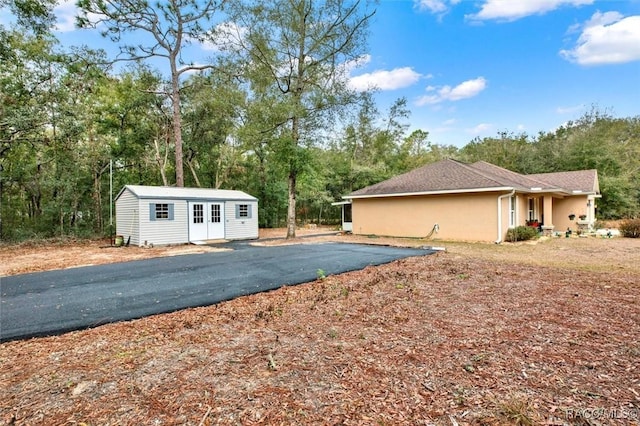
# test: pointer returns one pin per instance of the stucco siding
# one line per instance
(469, 217)
(164, 231)
(563, 207)
(127, 224)
(241, 228)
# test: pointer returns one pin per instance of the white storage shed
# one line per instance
(162, 215)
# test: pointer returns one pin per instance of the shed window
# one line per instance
(160, 211)
(243, 211)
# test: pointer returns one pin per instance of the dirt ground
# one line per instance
(544, 333)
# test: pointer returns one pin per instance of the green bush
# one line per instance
(521, 233)
(630, 228)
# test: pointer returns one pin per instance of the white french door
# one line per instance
(206, 221)
(215, 226)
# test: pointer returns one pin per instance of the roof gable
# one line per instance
(451, 176)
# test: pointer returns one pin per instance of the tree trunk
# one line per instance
(161, 163)
(291, 210)
(97, 201)
(293, 174)
(193, 173)
(177, 120)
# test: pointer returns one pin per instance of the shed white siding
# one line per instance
(127, 210)
(164, 231)
(241, 228)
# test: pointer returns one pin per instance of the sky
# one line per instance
(474, 68)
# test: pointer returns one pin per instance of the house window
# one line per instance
(198, 213)
(512, 211)
(532, 209)
(162, 211)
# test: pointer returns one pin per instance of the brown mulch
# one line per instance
(462, 337)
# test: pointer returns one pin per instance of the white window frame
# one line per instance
(513, 204)
(162, 211)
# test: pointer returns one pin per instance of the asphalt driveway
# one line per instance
(54, 302)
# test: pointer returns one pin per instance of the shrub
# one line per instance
(630, 228)
(521, 233)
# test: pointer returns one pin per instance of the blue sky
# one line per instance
(475, 68)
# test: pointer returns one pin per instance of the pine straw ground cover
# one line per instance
(457, 338)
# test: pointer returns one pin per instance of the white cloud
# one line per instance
(480, 129)
(600, 19)
(397, 78)
(511, 10)
(360, 61)
(464, 90)
(437, 7)
(65, 13)
(225, 35)
(607, 38)
(433, 6)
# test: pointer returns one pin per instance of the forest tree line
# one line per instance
(69, 123)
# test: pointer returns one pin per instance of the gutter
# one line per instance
(500, 198)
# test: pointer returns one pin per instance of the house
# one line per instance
(452, 200)
(163, 215)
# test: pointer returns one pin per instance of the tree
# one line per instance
(212, 104)
(508, 150)
(171, 26)
(296, 54)
(35, 16)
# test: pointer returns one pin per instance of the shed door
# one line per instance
(216, 221)
(206, 221)
(197, 221)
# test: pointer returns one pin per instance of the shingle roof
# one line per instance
(187, 193)
(445, 175)
(580, 180)
(522, 181)
(454, 176)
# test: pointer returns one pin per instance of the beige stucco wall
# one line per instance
(465, 217)
(563, 207)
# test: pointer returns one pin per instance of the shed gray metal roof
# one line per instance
(172, 192)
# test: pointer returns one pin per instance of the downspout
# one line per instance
(500, 198)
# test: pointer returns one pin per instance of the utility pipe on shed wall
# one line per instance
(500, 198)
